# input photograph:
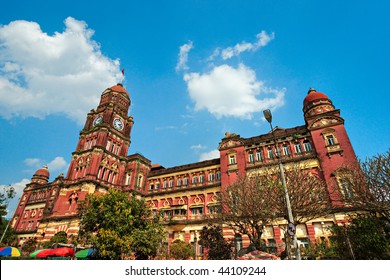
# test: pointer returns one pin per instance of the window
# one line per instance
(298, 148)
(195, 180)
(128, 178)
(179, 182)
(286, 150)
(157, 185)
(165, 184)
(170, 183)
(232, 159)
(270, 153)
(185, 181)
(197, 211)
(307, 146)
(330, 140)
(214, 209)
(346, 187)
(201, 178)
(218, 176)
(251, 157)
(303, 242)
(211, 177)
(140, 180)
(259, 156)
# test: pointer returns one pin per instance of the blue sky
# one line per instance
(194, 70)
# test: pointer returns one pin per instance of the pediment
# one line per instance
(228, 144)
(325, 121)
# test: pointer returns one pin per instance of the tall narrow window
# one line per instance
(201, 178)
(270, 153)
(211, 177)
(330, 139)
(286, 150)
(179, 182)
(259, 156)
(251, 157)
(140, 179)
(346, 188)
(128, 178)
(307, 146)
(298, 147)
(218, 176)
(232, 159)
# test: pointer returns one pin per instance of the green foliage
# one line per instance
(7, 194)
(29, 246)
(117, 224)
(321, 250)
(10, 238)
(181, 250)
(211, 237)
(59, 237)
(365, 238)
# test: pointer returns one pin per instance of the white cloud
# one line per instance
(226, 91)
(34, 162)
(183, 56)
(43, 74)
(209, 155)
(57, 164)
(198, 147)
(262, 40)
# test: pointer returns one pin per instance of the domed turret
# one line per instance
(119, 88)
(41, 175)
(316, 103)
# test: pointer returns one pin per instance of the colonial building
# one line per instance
(187, 194)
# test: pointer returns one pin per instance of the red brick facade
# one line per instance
(186, 194)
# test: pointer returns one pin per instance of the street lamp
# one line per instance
(237, 244)
(268, 117)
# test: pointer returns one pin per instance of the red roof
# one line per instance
(314, 95)
(119, 88)
(43, 172)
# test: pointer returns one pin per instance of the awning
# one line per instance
(197, 206)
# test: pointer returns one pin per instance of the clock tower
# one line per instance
(104, 141)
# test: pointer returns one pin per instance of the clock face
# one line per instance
(118, 124)
(98, 120)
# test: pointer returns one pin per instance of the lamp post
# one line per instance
(237, 244)
(268, 117)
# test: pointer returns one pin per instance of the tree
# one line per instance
(118, 223)
(181, 250)
(257, 200)
(7, 194)
(366, 186)
(7, 236)
(365, 237)
(211, 238)
(30, 246)
(59, 237)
